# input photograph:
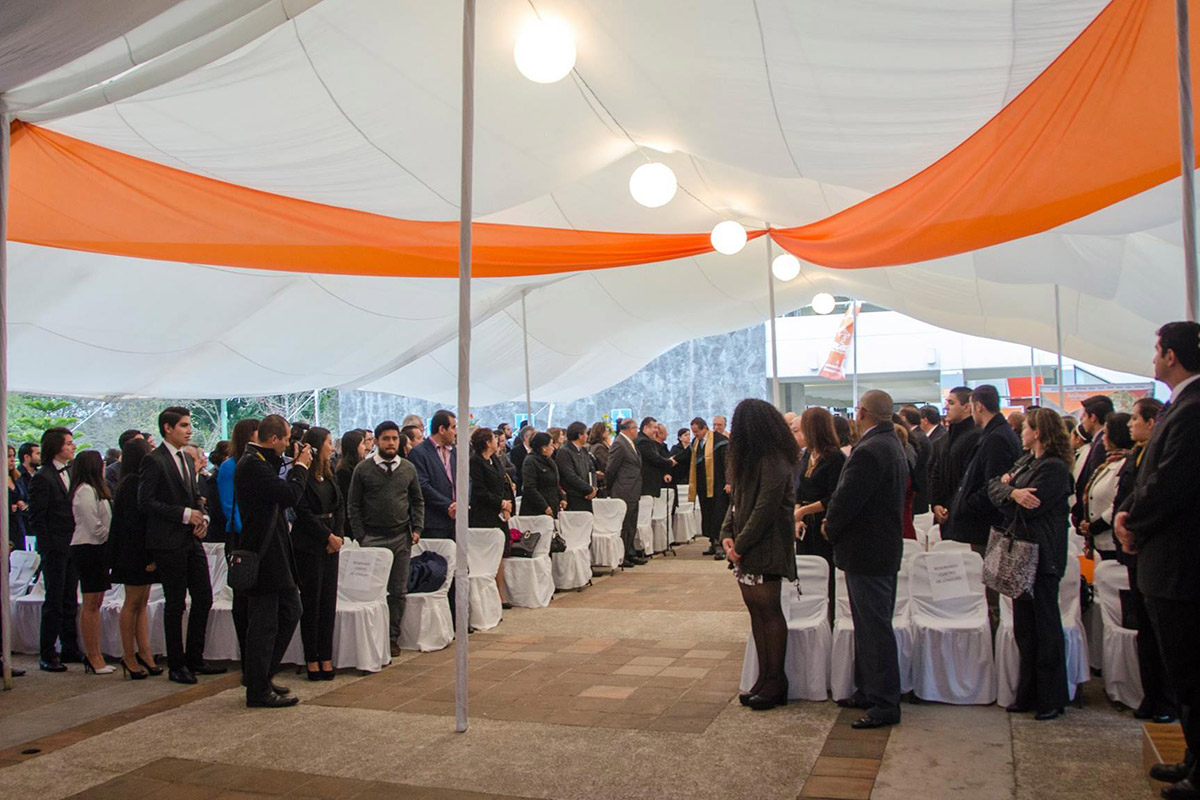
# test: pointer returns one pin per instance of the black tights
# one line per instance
(769, 628)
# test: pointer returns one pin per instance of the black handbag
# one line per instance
(244, 564)
(524, 547)
(558, 544)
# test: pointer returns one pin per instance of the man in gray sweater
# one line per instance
(386, 509)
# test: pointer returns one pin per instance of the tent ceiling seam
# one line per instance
(116, 107)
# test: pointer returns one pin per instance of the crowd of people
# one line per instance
(284, 497)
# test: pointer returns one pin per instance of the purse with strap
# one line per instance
(524, 547)
(244, 564)
(1010, 564)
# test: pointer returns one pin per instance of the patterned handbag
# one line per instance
(1010, 565)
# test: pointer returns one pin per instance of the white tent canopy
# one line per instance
(768, 111)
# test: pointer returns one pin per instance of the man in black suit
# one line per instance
(575, 472)
(175, 526)
(624, 477)
(706, 482)
(1096, 411)
(656, 466)
(920, 472)
(53, 523)
(931, 424)
(951, 454)
(972, 514)
(273, 603)
(865, 525)
(1158, 522)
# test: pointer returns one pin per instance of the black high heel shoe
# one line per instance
(134, 674)
(315, 674)
(150, 670)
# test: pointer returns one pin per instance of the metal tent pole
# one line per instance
(462, 466)
(774, 343)
(525, 340)
(1187, 148)
(5, 610)
(1062, 394)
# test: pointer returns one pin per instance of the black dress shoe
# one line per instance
(207, 669)
(271, 701)
(1186, 789)
(854, 701)
(1046, 716)
(744, 698)
(867, 722)
(1017, 708)
(17, 673)
(1145, 710)
(711, 551)
(1164, 718)
(1171, 773)
(52, 665)
(758, 702)
(720, 557)
(181, 676)
(282, 691)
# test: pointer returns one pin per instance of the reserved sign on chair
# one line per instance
(947, 576)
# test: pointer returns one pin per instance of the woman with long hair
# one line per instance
(18, 502)
(598, 440)
(491, 493)
(820, 467)
(759, 536)
(132, 564)
(244, 432)
(92, 506)
(317, 540)
(354, 450)
(1035, 500)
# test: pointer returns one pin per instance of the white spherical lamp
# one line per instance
(545, 50)
(652, 184)
(823, 303)
(785, 267)
(728, 237)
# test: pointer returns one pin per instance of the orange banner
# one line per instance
(834, 368)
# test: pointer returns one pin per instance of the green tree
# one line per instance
(29, 416)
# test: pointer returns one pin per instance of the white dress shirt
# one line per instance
(64, 474)
(1179, 387)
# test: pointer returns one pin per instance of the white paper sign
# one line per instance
(357, 571)
(947, 576)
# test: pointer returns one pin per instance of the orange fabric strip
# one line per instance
(1099, 125)
(74, 195)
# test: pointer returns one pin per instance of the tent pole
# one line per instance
(1033, 392)
(1062, 394)
(525, 339)
(1187, 149)
(854, 339)
(317, 407)
(774, 344)
(462, 474)
(5, 610)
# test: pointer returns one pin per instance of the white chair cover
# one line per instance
(529, 582)
(686, 525)
(660, 521)
(952, 638)
(427, 624)
(949, 546)
(929, 537)
(485, 548)
(608, 550)
(911, 548)
(572, 569)
(1008, 657)
(806, 606)
(22, 566)
(1122, 675)
(841, 668)
(644, 538)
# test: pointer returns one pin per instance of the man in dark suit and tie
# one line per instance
(656, 465)
(575, 472)
(865, 525)
(175, 527)
(52, 522)
(920, 471)
(624, 477)
(435, 460)
(1159, 522)
(1096, 411)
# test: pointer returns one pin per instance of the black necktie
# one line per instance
(183, 466)
(390, 466)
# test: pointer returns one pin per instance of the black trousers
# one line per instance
(271, 624)
(1177, 622)
(629, 526)
(876, 658)
(318, 595)
(1159, 698)
(577, 502)
(1037, 628)
(712, 514)
(61, 582)
(184, 572)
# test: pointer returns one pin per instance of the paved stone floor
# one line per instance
(624, 690)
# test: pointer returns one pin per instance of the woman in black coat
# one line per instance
(539, 480)
(317, 540)
(131, 563)
(759, 536)
(491, 493)
(1035, 500)
(820, 467)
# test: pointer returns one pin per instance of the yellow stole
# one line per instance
(710, 447)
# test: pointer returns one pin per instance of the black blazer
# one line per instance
(488, 491)
(319, 513)
(262, 497)
(1047, 524)
(920, 473)
(1165, 505)
(865, 518)
(206, 486)
(972, 514)
(163, 495)
(683, 465)
(575, 475)
(539, 486)
(951, 455)
(51, 519)
(655, 464)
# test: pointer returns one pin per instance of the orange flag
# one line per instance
(835, 364)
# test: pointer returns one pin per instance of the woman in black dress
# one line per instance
(491, 497)
(354, 450)
(131, 563)
(540, 493)
(317, 539)
(820, 467)
(18, 502)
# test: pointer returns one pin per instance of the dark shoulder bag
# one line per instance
(244, 564)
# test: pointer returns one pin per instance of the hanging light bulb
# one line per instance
(545, 50)
(728, 237)
(652, 184)
(823, 303)
(785, 267)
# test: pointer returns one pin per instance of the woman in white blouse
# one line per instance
(92, 506)
(1102, 488)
